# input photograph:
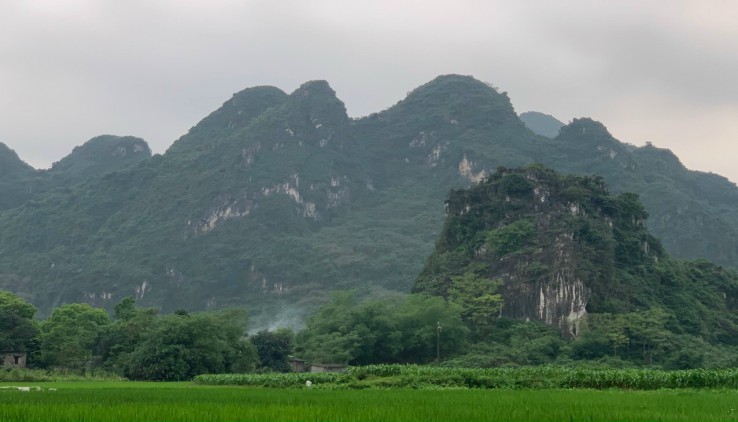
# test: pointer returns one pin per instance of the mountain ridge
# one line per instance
(275, 199)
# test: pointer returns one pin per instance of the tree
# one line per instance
(647, 331)
(327, 336)
(125, 309)
(131, 326)
(274, 348)
(180, 346)
(400, 329)
(417, 320)
(478, 298)
(18, 331)
(69, 335)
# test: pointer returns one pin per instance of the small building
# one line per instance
(327, 367)
(297, 365)
(14, 359)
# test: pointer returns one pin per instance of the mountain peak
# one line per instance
(586, 127)
(102, 154)
(319, 102)
(256, 96)
(316, 91)
(541, 123)
(318, 86)
(461, 99)
(10, 164)
(461, 85)
(236, 113)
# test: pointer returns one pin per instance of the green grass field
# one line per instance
(129, 401)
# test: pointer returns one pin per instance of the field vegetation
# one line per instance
(104, 401)
(435, 377)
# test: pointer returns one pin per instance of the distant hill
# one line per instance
(99, 156)
(13, 174)
(275, 200)
(542, 124)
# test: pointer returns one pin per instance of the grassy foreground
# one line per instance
(127, 401)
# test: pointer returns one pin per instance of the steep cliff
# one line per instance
(563, 247)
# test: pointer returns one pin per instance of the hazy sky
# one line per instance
(659, 71)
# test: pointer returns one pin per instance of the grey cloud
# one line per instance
(154, 68)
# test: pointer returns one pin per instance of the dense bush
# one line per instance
(394, 330)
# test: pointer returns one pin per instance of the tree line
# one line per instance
(463, 330)
(142, 344)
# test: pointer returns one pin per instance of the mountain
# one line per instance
(274, 200)
(563, 247)
(542, 124)
(98, 156)
(13, 172)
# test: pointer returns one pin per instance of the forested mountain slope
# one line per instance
(20, 182)
(13, 173)
(276, 199)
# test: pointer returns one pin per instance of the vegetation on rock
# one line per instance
(562, 250)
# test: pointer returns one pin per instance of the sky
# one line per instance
(651, 71)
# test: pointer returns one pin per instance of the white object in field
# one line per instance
(308, 383)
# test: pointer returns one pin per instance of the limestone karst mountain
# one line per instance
(276, 199)
(563, 246)
(96, 157)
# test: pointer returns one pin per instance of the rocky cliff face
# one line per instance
(555, 242)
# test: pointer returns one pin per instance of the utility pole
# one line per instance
(438, 342)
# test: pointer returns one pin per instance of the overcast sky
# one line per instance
(658, 71)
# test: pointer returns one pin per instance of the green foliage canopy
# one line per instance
(177, 347)
(274, 348)
(18, 331)
(400, 329)
(70, 334)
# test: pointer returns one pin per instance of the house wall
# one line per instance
(297, 365)
(327, 368)
(14, 360)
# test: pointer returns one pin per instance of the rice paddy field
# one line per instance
(138, 401)
(387, 393)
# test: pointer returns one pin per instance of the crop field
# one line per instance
(539, 377)
(126, 401)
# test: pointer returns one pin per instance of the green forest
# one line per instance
(500, 241)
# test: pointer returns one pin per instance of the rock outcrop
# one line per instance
(554, 241)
